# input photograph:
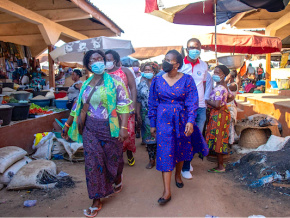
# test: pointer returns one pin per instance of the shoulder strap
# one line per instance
(93, 90)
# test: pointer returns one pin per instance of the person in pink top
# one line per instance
(112, 66)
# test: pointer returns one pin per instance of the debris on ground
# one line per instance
(259, 168)
(29, 203)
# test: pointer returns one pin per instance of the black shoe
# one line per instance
(163, 201)
(137, 135)
(179, 185)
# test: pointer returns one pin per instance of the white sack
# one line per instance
(9, 155)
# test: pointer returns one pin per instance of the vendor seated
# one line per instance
(37, 77)
(20, 74)
(60, 78)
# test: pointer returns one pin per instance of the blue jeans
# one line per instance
(199, 120)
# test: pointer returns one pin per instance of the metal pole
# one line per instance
(215, 45)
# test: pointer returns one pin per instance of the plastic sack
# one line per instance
(38, 137)
(36, 174)
(44, 147)
(9, 155)
(6, 177)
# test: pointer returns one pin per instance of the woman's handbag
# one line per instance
(82, 117)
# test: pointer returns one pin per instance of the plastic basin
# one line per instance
(57, 135)
(63, 121)
(21, 96)
(41, 103)
(20, 111)
(61, 104)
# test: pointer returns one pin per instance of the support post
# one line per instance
(268, 71)
(51, 70)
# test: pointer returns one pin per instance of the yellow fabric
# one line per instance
(38, 137)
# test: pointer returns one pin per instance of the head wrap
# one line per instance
(223, 68)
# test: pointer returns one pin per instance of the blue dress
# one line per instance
(170, 108)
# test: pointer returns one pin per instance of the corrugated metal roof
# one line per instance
(149, 52)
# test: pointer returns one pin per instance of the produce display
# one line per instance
(35, 109)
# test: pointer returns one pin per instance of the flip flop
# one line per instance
(213, 170)
(92, 209)
(117, 186)
(131, 162)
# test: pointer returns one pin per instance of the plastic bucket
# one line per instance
(61, 104)
(20, 111)
(41, 103)
(6, 115)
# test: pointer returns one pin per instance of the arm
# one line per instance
(191, 105)
(59, 76)
(153, 103)
(131, 84)
(214, 103)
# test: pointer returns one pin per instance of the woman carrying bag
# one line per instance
(94, 121)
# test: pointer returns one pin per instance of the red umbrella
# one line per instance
(238, 41)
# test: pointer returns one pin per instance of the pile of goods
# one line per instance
(37, 110)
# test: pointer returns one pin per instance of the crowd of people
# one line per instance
(177, 108)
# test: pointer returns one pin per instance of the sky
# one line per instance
(145, 30)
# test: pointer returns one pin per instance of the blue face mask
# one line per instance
(216, 78)
(193, 53)
(147, 75)
(98, 67)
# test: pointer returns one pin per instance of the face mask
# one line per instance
(216, 78)
(147, 75)
(193, 53)
(60, 69)
(110, 65)
(38, 69)
(98, 67)
(136, 69)
(167, 67)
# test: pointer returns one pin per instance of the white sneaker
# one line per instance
(186, 174)
(191, 168)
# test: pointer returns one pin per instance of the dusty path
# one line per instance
(206, 193)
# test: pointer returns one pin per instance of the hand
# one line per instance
(64, 132)
(123, 134)
(188, 129)
(153, 132)
(139, 119)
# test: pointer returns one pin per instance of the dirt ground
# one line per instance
(206, 193)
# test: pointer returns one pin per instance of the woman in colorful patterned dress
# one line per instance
(150, 70)
(217, 130)
(113, 61)
(102, 134)
(173, 101)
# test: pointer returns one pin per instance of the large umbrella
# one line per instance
(128, 61)
(74, 51)
(239, 41)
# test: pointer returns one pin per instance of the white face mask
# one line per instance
(110, 65)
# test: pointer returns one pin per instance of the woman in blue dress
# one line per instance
(173, 101)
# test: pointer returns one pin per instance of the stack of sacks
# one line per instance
(12, 159)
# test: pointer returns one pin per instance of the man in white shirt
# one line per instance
(198, 70)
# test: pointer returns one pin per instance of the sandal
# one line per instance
(118, 186)
(131, 162)
(92, 209)
(213, 170)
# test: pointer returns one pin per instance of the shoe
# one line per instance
(131, 162)
(191, 168)
(163, 201)
(186, 174)
(179, 185)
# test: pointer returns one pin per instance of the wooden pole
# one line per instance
(51, 68)
(268, 71)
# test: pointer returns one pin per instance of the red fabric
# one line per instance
(198, 13)
(244, 44)
(151, 5)
(192, 64)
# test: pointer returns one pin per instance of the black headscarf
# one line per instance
(223, 68)
(78, 72)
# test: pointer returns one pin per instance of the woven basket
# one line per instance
(254, 137)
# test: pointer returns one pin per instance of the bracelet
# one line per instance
(124, 127)
(68, 126)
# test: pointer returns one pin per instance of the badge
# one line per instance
(199, 73)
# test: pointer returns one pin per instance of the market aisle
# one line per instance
(206, 193)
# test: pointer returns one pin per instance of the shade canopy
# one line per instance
(74, 51)
(238, 41)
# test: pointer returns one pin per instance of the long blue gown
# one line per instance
(170, 108)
